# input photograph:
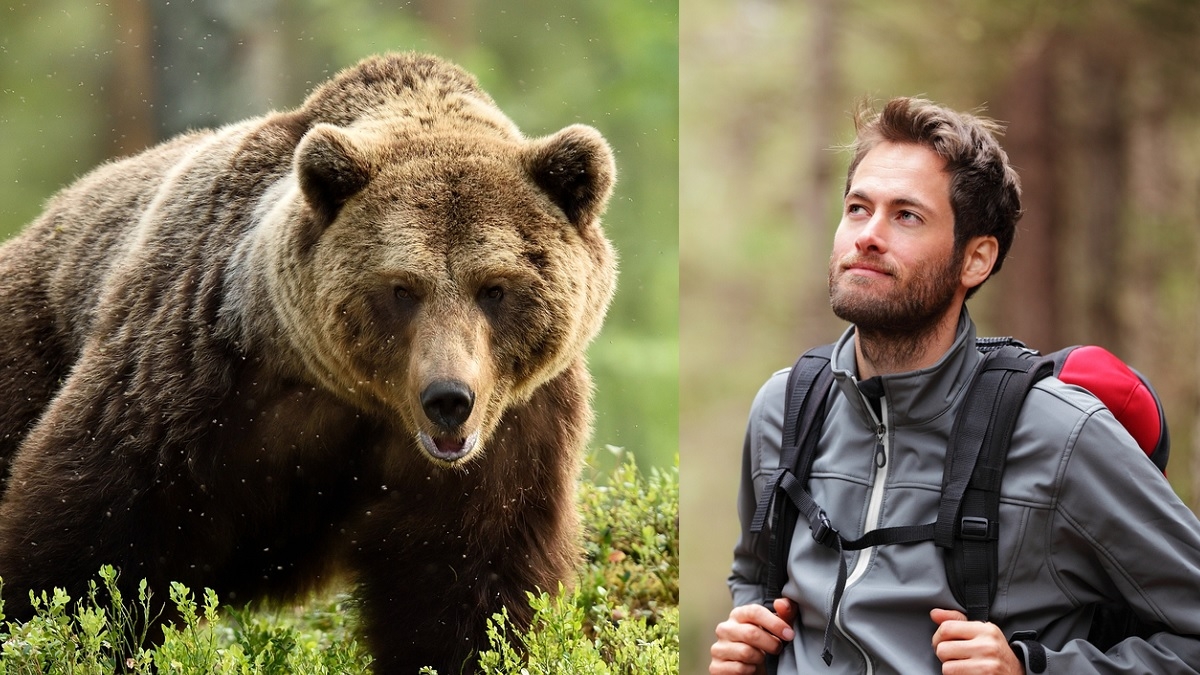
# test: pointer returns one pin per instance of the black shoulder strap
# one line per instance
(803, 417)
(804, 414)
(968, 516)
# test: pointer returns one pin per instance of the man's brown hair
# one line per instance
(985, 191)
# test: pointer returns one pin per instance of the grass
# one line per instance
(620, 616)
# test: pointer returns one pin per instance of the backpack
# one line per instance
(967, 525)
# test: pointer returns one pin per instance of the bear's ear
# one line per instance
(331, 167)
(575, 168)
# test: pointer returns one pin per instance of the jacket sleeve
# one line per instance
(760, 456)
(1122, 516)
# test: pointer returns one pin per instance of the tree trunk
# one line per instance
(820, 80)
(130, 91)
(821, 100)
(1029, 306)
(1103, 163)
(214, 63)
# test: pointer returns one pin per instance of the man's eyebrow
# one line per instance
(897, 201)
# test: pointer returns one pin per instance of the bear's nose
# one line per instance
(447, 403)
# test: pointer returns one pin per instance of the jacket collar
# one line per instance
(915, 396)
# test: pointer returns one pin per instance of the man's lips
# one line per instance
(866, 269)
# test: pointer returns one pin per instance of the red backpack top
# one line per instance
(1123, 390)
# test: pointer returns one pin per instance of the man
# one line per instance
(930, 210)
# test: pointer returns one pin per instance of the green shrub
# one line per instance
(621, 616)
(632, 541)
(99, 637)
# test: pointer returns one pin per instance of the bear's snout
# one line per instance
(448, 403)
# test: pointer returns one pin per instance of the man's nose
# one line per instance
(873, 235)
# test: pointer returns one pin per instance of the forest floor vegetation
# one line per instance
(620, 616)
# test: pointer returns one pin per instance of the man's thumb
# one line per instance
(941, 616)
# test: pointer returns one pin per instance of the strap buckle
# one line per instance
(977, 529)
(824, 532)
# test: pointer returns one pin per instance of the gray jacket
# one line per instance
(1084, 517)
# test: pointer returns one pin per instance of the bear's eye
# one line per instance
(491, 300)
(396, 301)
(405, 295)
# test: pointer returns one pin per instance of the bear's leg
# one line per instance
(428, 605)
(32, 359)
(59, 537)
(84, 492)
(40, 552)
(418, 615)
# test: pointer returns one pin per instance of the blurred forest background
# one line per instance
(81, 82)
(1101, 99)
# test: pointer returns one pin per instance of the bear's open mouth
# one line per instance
(448, 448)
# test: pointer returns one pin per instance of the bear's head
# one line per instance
(437, 267)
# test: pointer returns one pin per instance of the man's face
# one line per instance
(894, 267)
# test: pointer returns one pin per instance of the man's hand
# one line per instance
(751, 631)
(972, 647)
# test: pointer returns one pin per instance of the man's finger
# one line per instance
(780, 627)
(941, 616)
(786, 610)
(736, 652)
(731, 668)
(754, 635)
(953, 628)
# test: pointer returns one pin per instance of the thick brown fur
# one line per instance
(224, 361)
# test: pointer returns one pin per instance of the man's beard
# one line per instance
(895, 326)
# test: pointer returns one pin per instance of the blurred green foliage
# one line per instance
(66, 105)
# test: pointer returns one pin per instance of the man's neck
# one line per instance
(887, 353)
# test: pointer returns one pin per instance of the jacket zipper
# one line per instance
(874, 508)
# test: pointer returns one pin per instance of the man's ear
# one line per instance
(979, 257)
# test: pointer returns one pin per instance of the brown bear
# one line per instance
(346, 340)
